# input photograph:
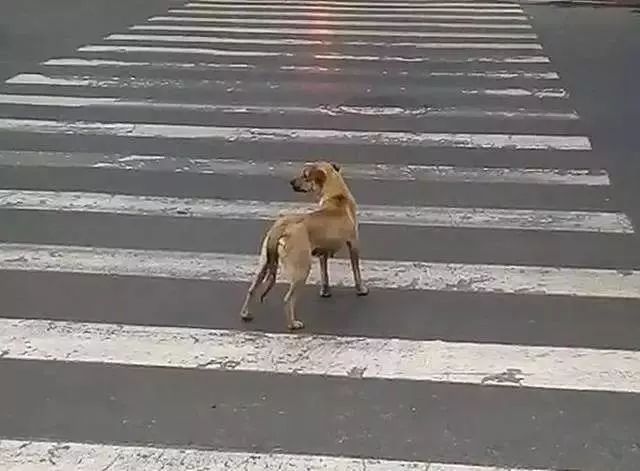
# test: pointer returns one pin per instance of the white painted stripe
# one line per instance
(488, 74)
(414, 216)
(337, 32)
(284, 41)
(303, 42)
(309, 136)
(472, 4)
(336, 57)
(328, 32)
(184, 50)
(559, 368)
(126, 82)
(361, 7)
(499, 74)
(338, 12)
(23, 455)
(326, 22)
(376, 112)
(506, 60)
(379, 171)
(409, 275)
(80, 62)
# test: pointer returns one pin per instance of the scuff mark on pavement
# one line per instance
(356, 372)
(509, 376)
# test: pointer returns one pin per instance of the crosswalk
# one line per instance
(140, 172)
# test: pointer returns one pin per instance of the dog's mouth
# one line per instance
(297, 188)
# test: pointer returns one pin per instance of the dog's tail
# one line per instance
(271, 264)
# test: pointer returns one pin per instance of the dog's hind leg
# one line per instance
(245, 312)
(290, 305)
(354, 254)
(298, 269)
(325, 289)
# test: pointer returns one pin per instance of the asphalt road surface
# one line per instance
(492, 147)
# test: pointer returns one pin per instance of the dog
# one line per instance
(293, 240)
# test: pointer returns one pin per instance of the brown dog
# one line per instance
(293, 240)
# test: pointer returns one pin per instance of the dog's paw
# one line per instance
(325, 292)
(296, 325)
(362, 290)
(246, 316)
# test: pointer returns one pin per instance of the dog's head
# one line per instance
(314, 177)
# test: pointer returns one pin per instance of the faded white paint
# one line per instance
(81, 62)
(499, 74)
(411, 4)
(487, 74)
(183, 50)
(384, 172)
(456, 277)
(520, 92)
(417, 60)
(379, 112)
(337, 12)
(326, 22)
(332, 9)
(27, 455)
(416, 216)
(355, 32)
(308, 42)
(309, 136)
(560, 368)
(305, 42)
(344, 57)
(472, 4)
(133, 82)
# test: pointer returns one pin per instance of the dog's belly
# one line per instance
(328, 248)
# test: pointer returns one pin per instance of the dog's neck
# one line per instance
(334, 187)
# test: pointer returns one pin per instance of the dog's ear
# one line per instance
(317, 175)
(335, 166)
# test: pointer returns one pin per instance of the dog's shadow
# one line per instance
(343, 311)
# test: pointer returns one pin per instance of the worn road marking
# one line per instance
(394, 4)
(562, 368)
(248, 110)
(233, 53)
(337, 12)
(327, 22)
(309, 136)
(133, 82)
(308, 42)
(417, 216)
(356, 32)
(284, 169)
(81, 62)
(411, 4)
(456, 277)
(27, 455)
(185, 50)
(416, 60)
(360, 9)
(310, 68)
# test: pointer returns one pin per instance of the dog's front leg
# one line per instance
(354, 254)
(325, 289)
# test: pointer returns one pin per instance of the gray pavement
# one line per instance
(502, 176)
